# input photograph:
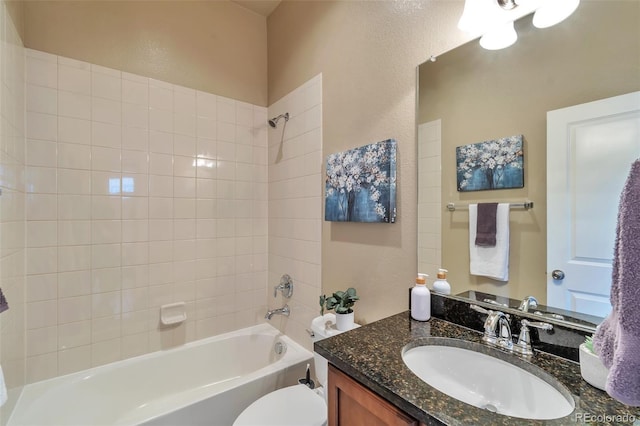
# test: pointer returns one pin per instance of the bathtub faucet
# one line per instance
(282, 311)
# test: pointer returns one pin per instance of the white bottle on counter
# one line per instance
(441, 285)
(421, 299)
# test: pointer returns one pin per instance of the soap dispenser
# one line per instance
(421, 299)
(441, 285)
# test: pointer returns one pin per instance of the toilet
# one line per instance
(296, 405)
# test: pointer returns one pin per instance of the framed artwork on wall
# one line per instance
(492, 164)
(360, 184)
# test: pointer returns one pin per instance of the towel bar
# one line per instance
(525, 205)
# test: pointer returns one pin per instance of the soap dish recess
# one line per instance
(173, 313)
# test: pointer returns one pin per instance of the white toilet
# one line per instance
(296, 405)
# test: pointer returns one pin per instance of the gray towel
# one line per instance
(617, 338)
(3, 302)
(486, 225)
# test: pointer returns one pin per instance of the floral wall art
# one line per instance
(492, 164)
(361, 184)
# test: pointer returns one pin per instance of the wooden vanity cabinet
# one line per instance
(351, 404)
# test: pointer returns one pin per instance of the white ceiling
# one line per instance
(261, 7)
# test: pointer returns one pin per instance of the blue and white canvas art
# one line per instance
(361, 184)
(493, 164)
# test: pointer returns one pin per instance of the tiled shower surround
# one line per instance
(139, 193)
(295, 206)
(12, 214)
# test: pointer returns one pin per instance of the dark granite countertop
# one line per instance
(372, 355)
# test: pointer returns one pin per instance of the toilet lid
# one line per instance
(291, 406)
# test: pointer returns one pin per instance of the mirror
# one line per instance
(471, 95)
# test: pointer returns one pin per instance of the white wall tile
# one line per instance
(75, 79)
(42, 234)
(160, 120)
(106, 111)
(41, 180)
(74, 258)
(73, 207)
(76, 182)
(74, 232)
(135, 92)
(74, 130)
(74, 156)
(74, 334)
(160, 142)
(106, 134)
(160, 97)
(74, 359)
(41, 73)
(137, 185)
(42, 99)
(134, 115)
(107, 86)
(41, 153)
(42, 126)
(41, 287)
(135, 138)
(105, 159)
(74, 105)
(72, 309)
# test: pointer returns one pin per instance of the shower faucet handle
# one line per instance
(285, 286)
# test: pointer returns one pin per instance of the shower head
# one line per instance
(274, 121)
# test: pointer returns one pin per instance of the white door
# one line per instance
(590, 148)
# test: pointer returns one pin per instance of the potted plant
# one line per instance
(341, 302)
(591, 368)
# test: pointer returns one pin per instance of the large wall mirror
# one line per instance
(471, 95)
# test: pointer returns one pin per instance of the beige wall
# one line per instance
(213, 46)
(367, 53)
(595, 54)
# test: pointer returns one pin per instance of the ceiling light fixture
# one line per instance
(493, 19)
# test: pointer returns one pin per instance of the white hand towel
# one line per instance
(3, 389)
(492, 262)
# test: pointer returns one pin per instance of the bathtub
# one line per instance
(207, 382)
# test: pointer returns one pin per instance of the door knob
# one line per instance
(557, 274)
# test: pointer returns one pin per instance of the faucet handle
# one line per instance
(285, 286)
(481, 309)
(537, 324)
(523, 346)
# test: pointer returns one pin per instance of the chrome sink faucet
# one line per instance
(282, 311)
(528, 302)
(497, 331)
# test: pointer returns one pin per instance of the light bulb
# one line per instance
(500, 37)
(552, 12)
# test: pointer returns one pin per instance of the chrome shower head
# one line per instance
(274, 121)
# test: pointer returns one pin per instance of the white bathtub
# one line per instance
(208, 382)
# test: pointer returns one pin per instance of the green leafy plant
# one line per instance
(588, 343)
(340, 301)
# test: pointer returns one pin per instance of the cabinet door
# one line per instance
(351, 404)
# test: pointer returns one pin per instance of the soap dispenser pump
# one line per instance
(421, 299)
(441, 285)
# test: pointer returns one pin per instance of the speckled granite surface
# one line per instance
(372, 354)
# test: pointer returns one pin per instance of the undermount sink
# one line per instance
(458, 369)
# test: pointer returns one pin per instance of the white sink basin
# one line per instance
(487, 382)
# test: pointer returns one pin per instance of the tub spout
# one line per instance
(282, 311)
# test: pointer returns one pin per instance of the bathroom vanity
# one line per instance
(370, 382)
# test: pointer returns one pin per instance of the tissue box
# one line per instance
(592, 369)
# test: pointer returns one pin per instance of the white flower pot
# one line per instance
(592, 369)
(344, 322)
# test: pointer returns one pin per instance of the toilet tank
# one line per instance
(324, 326)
